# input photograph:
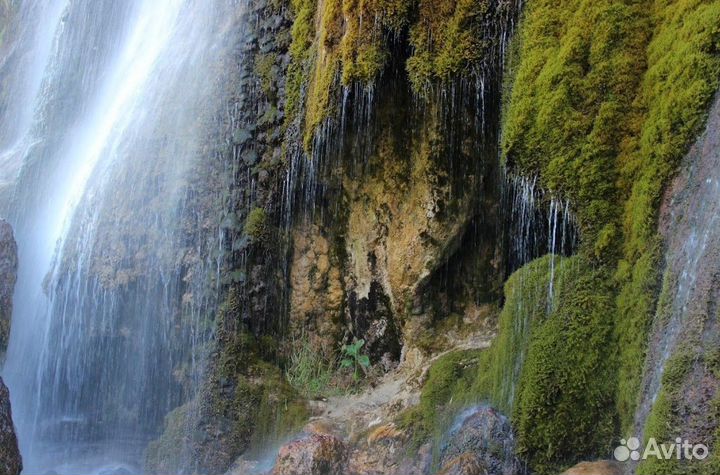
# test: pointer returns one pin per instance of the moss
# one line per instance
(301, 52)
(663, 422)
(606, 98)
(635, 307)
(350, 42)
(572, 101)
(565, 408)
(526, 304)
(448, 388)
(551, 367)
(264, 64)
(255, 224)
(171, 445)
(244, 404)
(450, 39)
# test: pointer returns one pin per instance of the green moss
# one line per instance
(580, 63)
(635, 307)
(301, 53)
(663, 422)
(526, 304)
(350, 42)
(551, 367)
(448, 388)
(171, 445)
(565, 408)
(606, 98)
(244, 404)
(255, 224)
(264, 64)
(448, 40)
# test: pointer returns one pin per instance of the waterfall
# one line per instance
(537, 223)
(108, 172)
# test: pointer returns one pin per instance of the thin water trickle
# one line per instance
(692, 231)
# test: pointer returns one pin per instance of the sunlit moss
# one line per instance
(338, 44)
(606, 98)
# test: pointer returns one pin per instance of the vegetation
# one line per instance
(309, 372)
(448, 389)
(255, 223)
(565, 410)
(350, 42)
(606, 98)
(549, 367)
(353, 358)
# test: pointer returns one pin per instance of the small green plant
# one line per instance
(309, 372)
(352, 358)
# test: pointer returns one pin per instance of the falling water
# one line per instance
(537, 223)
(113, 205)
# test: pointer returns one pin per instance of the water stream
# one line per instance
(104, 179)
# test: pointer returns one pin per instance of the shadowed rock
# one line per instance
(8, 276)
(10, 461)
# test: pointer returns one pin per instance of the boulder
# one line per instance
(10, 461)
(465, 464)
(313, 454)
(486, 434)
(601, 467)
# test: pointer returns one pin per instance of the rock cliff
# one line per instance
(10, 460)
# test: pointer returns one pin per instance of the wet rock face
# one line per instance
(10, 461)
(681, 368)
(315, 454)
(8, 275)
(372, 319)
(482, 441)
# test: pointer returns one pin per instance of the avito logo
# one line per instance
(682, 449)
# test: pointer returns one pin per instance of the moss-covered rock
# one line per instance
(606, 97)
(447, 390)
(341, 44)
(565, 411)
(551, 367)
(245, 404)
